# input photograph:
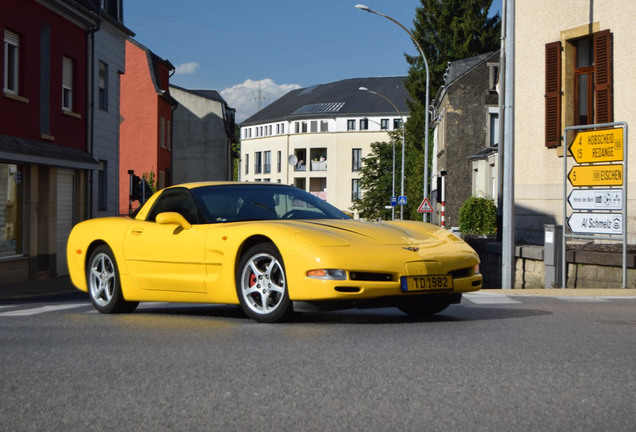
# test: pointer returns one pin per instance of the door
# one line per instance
(65, 206)
(168, 257)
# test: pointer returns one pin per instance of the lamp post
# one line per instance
(402, 121)
(368, 9)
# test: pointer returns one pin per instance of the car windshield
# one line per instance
(232, 203)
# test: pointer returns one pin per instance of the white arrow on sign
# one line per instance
(596, 199)
(596, 223)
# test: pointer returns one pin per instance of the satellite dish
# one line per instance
(292, 160)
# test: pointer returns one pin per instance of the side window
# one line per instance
(176, 200)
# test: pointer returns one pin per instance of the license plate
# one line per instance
(426, 283)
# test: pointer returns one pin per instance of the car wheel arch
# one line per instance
(247, 244)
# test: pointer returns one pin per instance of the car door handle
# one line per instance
(137, 231)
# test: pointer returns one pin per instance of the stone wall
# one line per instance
(586, 268)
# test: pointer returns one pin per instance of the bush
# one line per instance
(478, 216)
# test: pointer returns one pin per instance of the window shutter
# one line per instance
(603, 76)
(11, 38)
(67, 72)
(553, 94)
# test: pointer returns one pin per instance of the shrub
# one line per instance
(478, 216)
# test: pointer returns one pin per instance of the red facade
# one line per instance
(146, 111)
(45, 39)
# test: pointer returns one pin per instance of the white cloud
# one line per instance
(247, 97)
(186, 68)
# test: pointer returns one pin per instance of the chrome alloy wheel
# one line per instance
(263, 283)
(102, 279)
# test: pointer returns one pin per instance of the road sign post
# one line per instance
(598, 189)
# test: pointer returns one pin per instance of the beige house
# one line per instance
(315, 138)
(574, 65)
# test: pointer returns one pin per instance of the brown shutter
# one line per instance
(603, 77)
(553, 94)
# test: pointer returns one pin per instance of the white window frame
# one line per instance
(11, 74)
(67, 84)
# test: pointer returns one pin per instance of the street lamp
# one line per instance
(368, 9)
(402, 121)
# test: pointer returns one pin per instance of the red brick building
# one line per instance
(146, 114)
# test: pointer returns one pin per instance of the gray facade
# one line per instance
(463, 125)
(203, 129)
(107, 64)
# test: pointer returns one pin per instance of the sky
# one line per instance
(255, 51)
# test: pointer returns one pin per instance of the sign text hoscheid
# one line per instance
(598, 146)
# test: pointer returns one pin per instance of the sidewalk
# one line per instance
(35, 289)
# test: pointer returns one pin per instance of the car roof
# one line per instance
(194, 185)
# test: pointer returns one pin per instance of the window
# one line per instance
(267, 166)
(304, 127)
(493, 126)
(364, 124)
(168, 134)
(67, 84)
(103, 86)
(493, 76)
(314, 126)
(162, 132)
(11, 194)
(588, 84)
(102, 189)
(279, 161)
(297, 125)
(11, 62)
(324, 126)
(397, 123)
(113, 7)
(356, 158)
(355, 189)
(247, 163)
(384, 124)
(258, 163)
(351, 125)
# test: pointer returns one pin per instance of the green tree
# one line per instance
(447, 30)
(478, 215)
(376, 181)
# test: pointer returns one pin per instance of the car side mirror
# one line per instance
(168, 218)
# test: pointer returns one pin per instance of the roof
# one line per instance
(337, 99)
(207, 94)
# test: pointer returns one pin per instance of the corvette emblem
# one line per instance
(411, 248)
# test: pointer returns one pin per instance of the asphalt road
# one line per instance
(493, 363)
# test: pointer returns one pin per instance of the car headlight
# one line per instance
(328, 274)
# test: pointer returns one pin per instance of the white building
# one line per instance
(315, 138)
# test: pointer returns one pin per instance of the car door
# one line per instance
(168, 257)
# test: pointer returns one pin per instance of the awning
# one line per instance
(22, 150)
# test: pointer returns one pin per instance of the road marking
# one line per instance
(42, 309)
(583, 299)
(488, 298)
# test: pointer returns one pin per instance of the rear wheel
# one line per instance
(104, 288)
(261, 285)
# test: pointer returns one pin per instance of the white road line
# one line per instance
(488, 298)
(42, 309)
(583, 299)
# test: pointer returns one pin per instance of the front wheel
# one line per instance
(261, 285)
(104, 288)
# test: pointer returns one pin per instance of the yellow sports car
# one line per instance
(265, 246)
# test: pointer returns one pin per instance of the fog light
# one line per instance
(329, 274)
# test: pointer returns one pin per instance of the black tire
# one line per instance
(424, 309)
(261, 285)
(102, 278)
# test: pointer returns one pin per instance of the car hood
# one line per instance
(334, 232)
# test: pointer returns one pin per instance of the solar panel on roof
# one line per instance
(320, 108)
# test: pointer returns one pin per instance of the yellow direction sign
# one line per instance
(596, 175)
(598, 146)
